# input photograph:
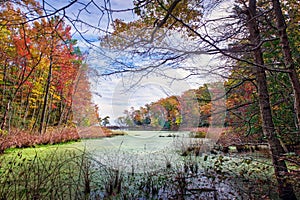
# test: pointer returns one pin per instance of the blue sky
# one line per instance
(93, 13)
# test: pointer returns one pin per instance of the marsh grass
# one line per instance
(55, 174)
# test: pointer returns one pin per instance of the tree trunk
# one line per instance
(4, 118)
(4, 98)
(48, 114)
(26, 110)
(285, 189)
(43, 117)
(288, 59)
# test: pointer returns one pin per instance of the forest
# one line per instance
(46, 80)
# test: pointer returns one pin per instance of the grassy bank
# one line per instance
(40, 173)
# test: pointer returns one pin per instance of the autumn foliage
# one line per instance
(39, 67)
(186, 111)
(41, 71)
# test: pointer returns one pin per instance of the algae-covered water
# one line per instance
(137, 150)
(138, 165)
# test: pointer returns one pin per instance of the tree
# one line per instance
(173, 112)
(59, 51)
(19, 56)
(105, 121)
(288, 58)
(285, 188)
(39, 68)
(82, 110)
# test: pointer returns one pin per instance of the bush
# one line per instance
(197, 134)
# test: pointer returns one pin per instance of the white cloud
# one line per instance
(117, 96)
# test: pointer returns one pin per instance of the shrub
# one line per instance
(197, 134)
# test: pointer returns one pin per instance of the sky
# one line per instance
(114, 94)
(121, 92)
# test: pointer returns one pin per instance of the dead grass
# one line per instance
(21, 139)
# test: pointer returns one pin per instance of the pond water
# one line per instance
(144, 163)
(156, 154)
(146, 141)
(138, 150)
